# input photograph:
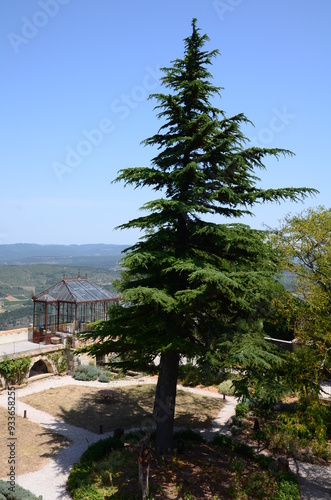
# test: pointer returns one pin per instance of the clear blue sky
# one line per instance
(75, 79)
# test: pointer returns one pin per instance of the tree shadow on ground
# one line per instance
(132, 407)
(55, 442)
(79, 414)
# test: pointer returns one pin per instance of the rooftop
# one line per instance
(75, 290)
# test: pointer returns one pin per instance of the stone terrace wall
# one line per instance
(15, 335)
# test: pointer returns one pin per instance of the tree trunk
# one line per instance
(144, 465)
(165, 399)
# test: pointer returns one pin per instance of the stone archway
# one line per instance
(41, 365)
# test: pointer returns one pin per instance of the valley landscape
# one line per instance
(27, 269)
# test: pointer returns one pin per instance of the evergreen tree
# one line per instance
(188, 283)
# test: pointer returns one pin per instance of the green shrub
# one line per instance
(234, 445)
(103, 378)
(188, 436)
(288, 487)
(79, 477)
(236, 421)
(189, 375)
(242, 410)
(59, 358)
(15, 370)
(81, 368)
(235, 430)
(267, 462)
(100, 448)
(226, 387)
(81, 376)
(19, 493)
(89, 372)
(89, 492)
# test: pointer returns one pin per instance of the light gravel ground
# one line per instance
(50, 481)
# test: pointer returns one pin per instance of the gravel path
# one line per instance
(50, 481)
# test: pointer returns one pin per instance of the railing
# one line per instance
(21, 347)
(18, 347)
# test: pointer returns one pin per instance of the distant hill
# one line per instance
(26, 269)
(18, 283)
(94, 255)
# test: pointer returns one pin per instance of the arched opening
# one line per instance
(39, 368)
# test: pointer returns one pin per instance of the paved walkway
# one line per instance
(50, 481)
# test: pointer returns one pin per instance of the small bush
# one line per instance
(81, 376)
(81, 368)
(189, 375)
(188, 436)
(226, 387)
(235, 430)
(85, 373)
(288, 487)
(79, 477)
(89, 492)
(281, 439)
(59, 358)
(15, 370)
(104, 378)
(242, 410)
(19, 493)
(100, 448)
(234, 445)
(236, 421)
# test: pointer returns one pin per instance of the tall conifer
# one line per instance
(188, 283)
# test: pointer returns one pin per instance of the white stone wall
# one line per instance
(16, 335)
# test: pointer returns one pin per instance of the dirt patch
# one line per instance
(34, 445)
(130, 407)
(10, 298)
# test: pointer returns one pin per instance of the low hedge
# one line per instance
(19, 493)
(79, 474)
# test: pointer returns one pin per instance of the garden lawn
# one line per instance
(130, 407)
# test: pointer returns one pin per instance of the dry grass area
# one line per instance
(130, 407)
(35, 446)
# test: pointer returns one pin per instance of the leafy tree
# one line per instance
(304, 241)
(188, 282)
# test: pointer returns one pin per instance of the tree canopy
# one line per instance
(189, 282)
(304, 243)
